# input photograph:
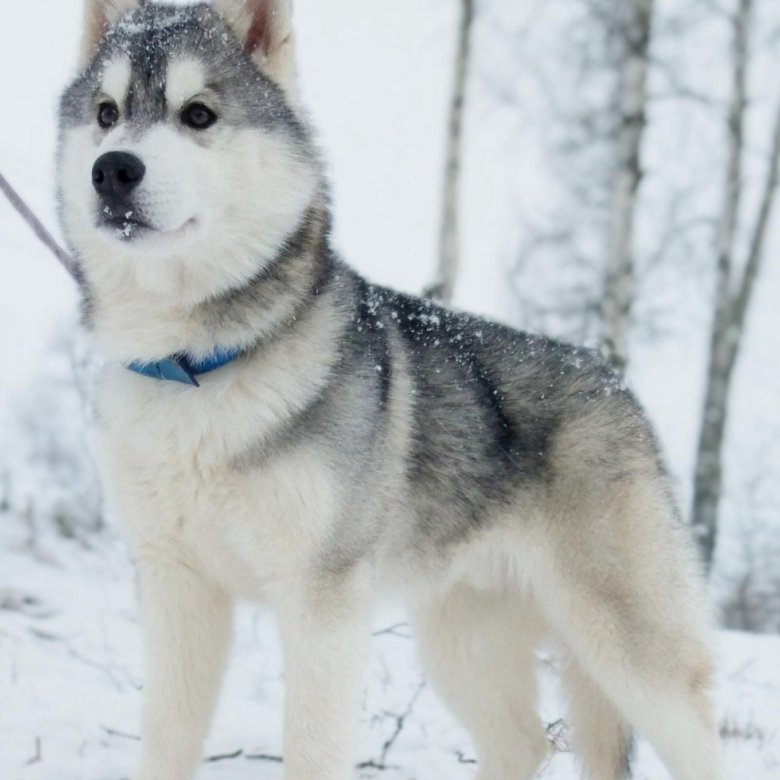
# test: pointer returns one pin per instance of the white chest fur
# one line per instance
(169, 455)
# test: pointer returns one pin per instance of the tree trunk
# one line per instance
(632, 96)
(443, 286)
(732, 300)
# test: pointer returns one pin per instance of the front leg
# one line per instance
(325, 628)
(186, 623)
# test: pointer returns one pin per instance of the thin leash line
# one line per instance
(175, 368)
(28, 215)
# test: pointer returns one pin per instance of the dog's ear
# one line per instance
(264, 28)
(99, 15)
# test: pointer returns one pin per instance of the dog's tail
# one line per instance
(601, 738)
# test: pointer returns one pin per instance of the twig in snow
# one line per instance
(400, 721)
(104, 668)
(556, 734)
(47, 636)
(107, 669)
(394, 631)
(224, 757)
(263, 757)
(38, 756)
(371, 764)
(122, 734)
(731, 728)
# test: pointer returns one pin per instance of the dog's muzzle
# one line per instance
(115, 176)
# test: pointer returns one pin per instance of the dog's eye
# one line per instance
(198, 117)
(108, 114)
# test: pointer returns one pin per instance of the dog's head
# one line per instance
(184, 160)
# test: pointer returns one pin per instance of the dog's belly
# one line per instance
(171, 479)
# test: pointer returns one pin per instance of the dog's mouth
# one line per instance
(128, 225)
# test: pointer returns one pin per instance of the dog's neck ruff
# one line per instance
(181, 368)
(292, 272)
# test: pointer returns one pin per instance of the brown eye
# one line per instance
(108, 115)
(197, 116)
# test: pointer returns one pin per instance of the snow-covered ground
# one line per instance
(70, 684)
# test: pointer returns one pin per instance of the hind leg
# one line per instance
(619, 589)
(478, 652)
(601, 738)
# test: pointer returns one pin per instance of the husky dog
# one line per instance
(273, 427)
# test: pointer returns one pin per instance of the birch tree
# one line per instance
(596, 88)
(735, 284)
(443, 286)
(632, 104)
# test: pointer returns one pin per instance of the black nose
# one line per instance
(116, 174)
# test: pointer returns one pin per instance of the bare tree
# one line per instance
(443, 286)
(632, 101)
(734, 289)
(597, 128)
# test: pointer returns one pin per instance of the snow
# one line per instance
(70, 684)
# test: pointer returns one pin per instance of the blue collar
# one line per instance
(181, 368)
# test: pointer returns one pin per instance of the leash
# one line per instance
(39, 229)
(176, 368)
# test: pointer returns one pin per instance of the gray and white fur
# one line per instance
(508, 485)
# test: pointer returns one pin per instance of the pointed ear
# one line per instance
(264, 28)
(99, 15)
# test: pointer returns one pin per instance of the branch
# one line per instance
(676, 89)
(38, 228)
(247, 756)
(394, 631)
(223, 757)
(400, 721)
(38, 755)
(264, 757)
(750, 274)
(123, 735)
